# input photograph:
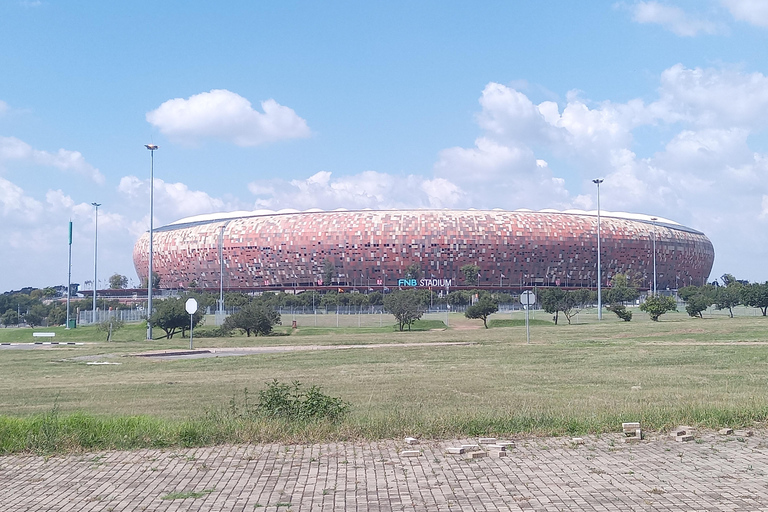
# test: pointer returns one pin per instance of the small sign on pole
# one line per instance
(527, 299)
(191, 307)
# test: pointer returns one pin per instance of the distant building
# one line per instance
(369, 248)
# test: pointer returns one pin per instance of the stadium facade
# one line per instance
(370, 248)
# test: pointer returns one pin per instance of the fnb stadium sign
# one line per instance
(426, 283)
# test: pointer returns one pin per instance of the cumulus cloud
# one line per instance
(712, 97)
(13, 149)
(172, 201)
(671, 18)
(368, 189)
(224, 115)
(16, 203)
(751, 11)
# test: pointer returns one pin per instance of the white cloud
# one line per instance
(16, 203)
(671, 18)
(3, 107)
(13, 149)
(225, 115)
(764, 208)
(712, 97)
(172, 201)
(368, 189)
(751, 11)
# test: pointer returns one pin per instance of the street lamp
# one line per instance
(654, 219)
(95, 259)
(599, 270)
(151, 148)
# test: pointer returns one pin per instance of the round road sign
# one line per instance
(191, 306)
(527, 298)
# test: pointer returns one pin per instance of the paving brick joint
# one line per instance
(714, 472)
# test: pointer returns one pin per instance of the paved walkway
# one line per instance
(713, 472)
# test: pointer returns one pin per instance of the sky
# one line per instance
(398, 104)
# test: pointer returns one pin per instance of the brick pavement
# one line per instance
(604, 474)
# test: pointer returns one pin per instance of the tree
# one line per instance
(413, 271)
(10, 317)
(329, 270)
(155, 281)
(256, 318)
(621, 291)
(621, 311)
(728, 296)
(57, 316)
(557, 300)
(483, 308)
(36, 315)
(471, 273)
(755, 295)
(405, 306)
(118, 282)
(697, 303)
(171, 316)
(657, 305)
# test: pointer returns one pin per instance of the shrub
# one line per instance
(293, 402)
(621, 311)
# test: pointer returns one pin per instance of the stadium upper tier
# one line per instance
(289, 249)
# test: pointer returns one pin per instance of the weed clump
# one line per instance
(292, 402)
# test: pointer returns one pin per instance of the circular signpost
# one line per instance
(527, 299)
(191, 307)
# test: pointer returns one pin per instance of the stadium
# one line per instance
(292, 250)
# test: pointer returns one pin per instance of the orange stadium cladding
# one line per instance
(513, 249)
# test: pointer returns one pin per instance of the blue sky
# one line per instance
(270, 105)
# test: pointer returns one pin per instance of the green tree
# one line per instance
(697, 303)
(657, 305)
(171, 316)
(728, 296)
(36, 314)
(557, 300)
(256, 318)
(405, 306)
(483, 308)
(155, 281)
(118, 282)
(57, 316)
(471, 274)
(621, 291)
(755, 295)
(10, 317)
(621, 311)
(413, 271)
(329, 271)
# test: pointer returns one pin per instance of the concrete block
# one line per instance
(455, 450)
(630, 426)
(501, 453)
(496, 447)
(742, 433)
(684, 439)
(507, 444)
(475, 455)
(470, 447)
(487, 440)
(410, 453)
(577, 440)
(725, 431)
(411, 440)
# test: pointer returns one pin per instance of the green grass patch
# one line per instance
(517, 322)
(187, 494)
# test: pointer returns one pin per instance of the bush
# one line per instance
(293, 402)
(621, 311)
(657, 305)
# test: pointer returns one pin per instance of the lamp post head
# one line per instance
(598, 181)
(151, 147)
(96, 204)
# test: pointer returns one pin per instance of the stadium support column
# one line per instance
(599, 269)
(151, 148)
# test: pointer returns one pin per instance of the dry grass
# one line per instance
(577, 378)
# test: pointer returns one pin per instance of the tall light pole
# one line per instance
(221, 273)
(95, 258)
(599, 270)
(151, 148)
(69, 271)
(654, 219)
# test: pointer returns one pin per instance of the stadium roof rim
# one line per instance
(226, 216)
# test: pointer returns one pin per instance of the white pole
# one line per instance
(95, 258)
(69, 271)
(654, 219)
(151, 148)
(599, 269)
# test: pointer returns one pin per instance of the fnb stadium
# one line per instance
(292, 250)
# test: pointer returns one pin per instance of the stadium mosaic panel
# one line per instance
(370, 248)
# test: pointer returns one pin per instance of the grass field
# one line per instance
(586, 377)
